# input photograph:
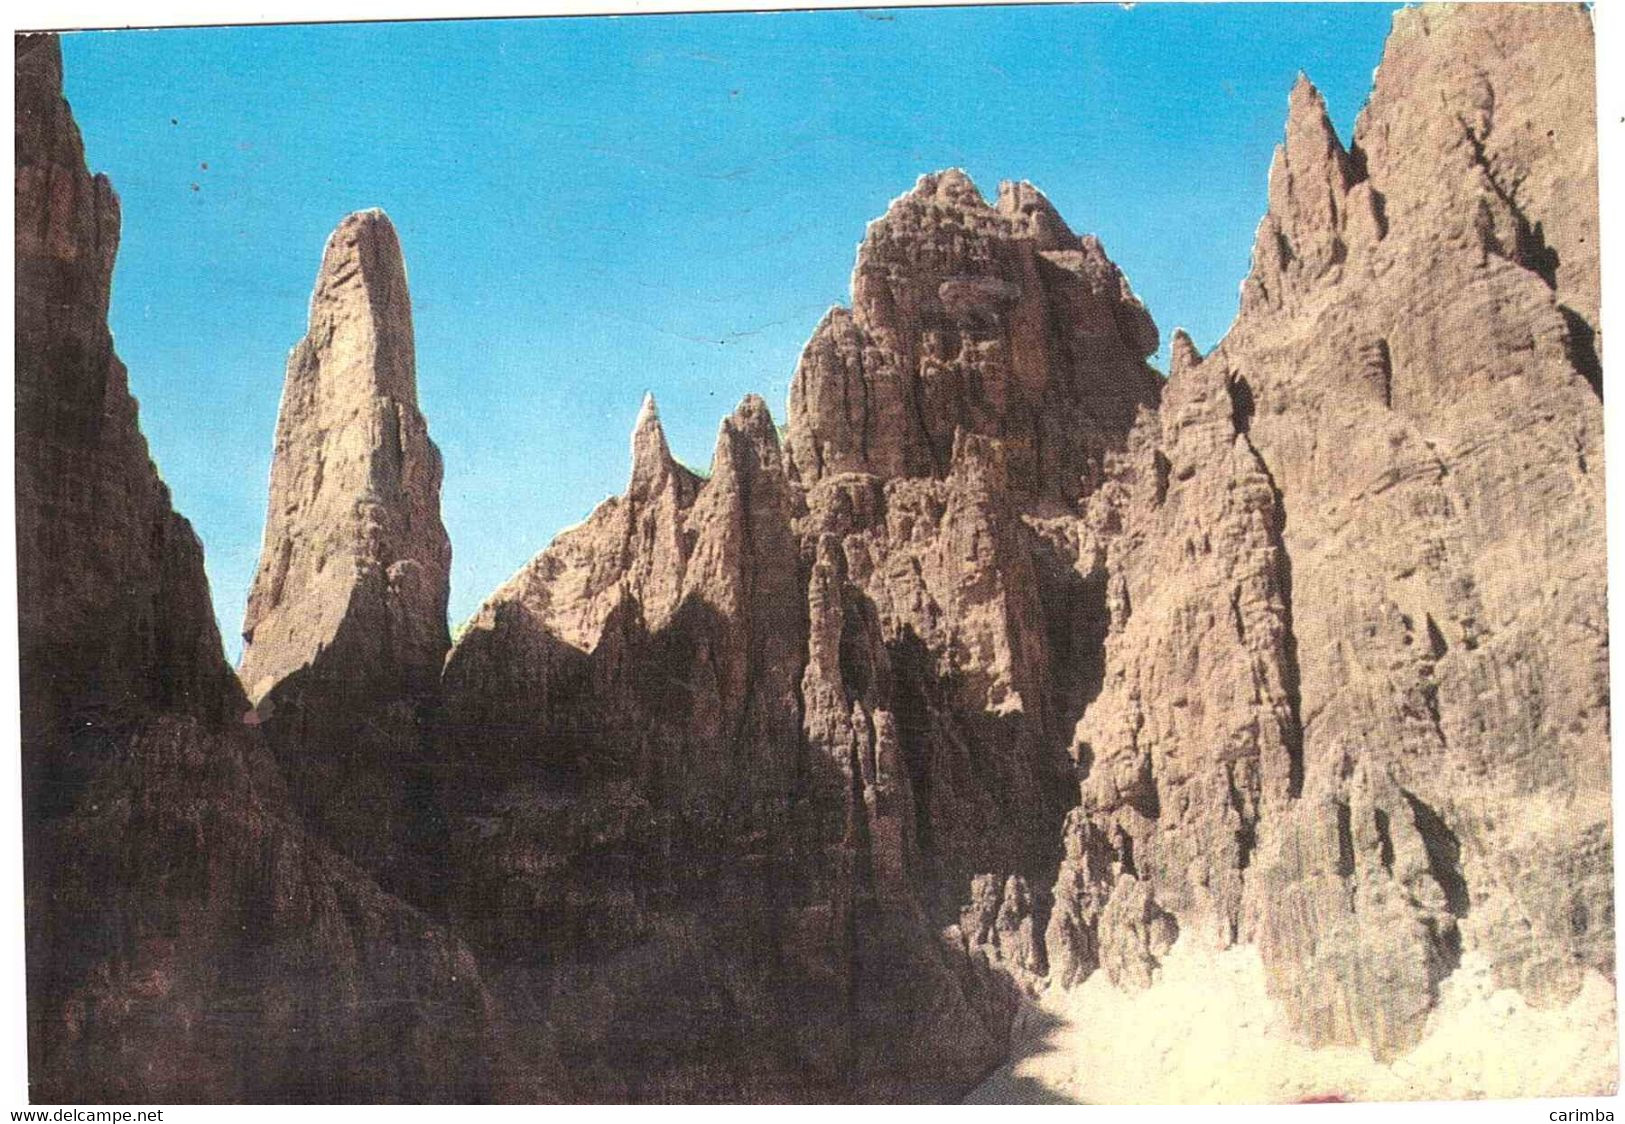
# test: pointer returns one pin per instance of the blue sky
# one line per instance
(595, 207)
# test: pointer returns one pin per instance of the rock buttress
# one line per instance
(661, 812)
(1355, 702)
(345, 631)
(187, 940)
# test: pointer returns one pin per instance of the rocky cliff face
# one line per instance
(356, 564)
(642, 784)
(346, 625)
(1356, 690)
(997, 321)
(188, 939)
(1014, 664)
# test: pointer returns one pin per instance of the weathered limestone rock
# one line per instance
(702, 581)
(1510, 101)
(345, 631)
(356, 562)
(1447, 547)
(632, 545)
(188, 941)
(941, 434)
(846, 693)
(702, 753)
(509, 681)
(950, 568)
(624, 727)
(114, 610)
(1013, 664)
(1355, 705)
(1194, 735)
(998, 321)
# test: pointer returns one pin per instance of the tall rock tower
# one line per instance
(355, 569)
(187, 939)
(346, 625)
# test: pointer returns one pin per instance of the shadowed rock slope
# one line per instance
(811, 712)
(346, 624)
(188, 939)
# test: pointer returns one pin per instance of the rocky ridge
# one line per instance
(189, 939)
(1363, 560)
(1012, 664)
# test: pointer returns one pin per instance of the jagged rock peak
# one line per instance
(1028, 211)
(747, 465)
(950, 186)
(1182, 353)
(1322, 209)
(1309, 125)
(652, 461)
(355, 554)
(741, 517)
(63, 211)
(1469, 122)
(151, 812)
(363, 276)
(1409, 296)
(111, 590)
(1311, 157)
(1033, 213)
(997, 320)
(751, 417)
(1309, 176)
(748, 432)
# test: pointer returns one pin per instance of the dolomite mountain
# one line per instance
(190, 938)
(1012, 664)
(346, 625)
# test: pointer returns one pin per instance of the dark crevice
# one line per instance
(1242, 404)
(1345, 842)
(1076, 622)
(1085, 762)
(1145, 798)
(1580, 342)
(1358, 173)
(1447, 940)
(1430, 699)
(1385, 840)
(1444, 854)
(1529, 248)
(1379, 368)
(1436, 643)
(1247, 826)
(1125, 853)
(1162, 467)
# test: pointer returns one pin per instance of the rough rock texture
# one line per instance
(345, 631)
(187, 939)
(950, 569)
(1015, 669)
(941, 433)
(1356, 691)
(995, 320)
(113, 604)
(813, 709)
(1194, 735)
(642, 784)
